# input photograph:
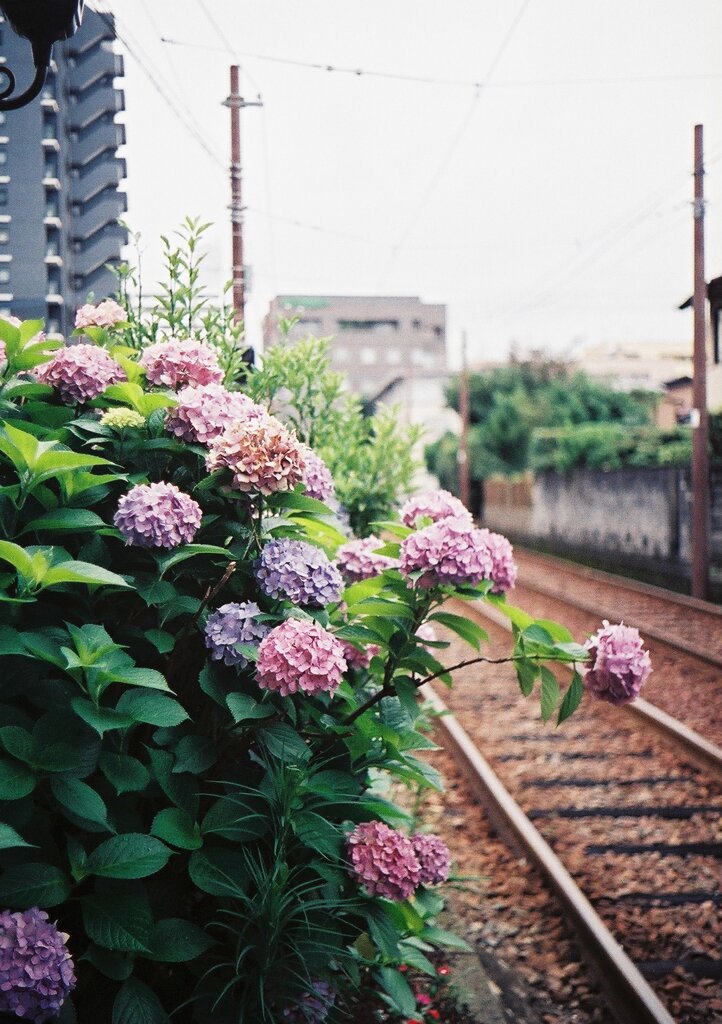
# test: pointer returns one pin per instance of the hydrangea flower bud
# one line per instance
(36, 970)
(300, 655)
(383, 860)
(174, 363)
(262, 455)
(231, 624)
(433, 856)
(450, 551)
(205, 411)
(433, 505)
(106, 314)
(157, 516)
(357, 559)
(122, 418)
(80, 372)
(619, 665)
(293, 570)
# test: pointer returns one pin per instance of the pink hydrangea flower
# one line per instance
(503, 571)
(433, 857)
(157, 516)
(359, 660)
(450, 552)
(383, 860)
(433, 505)
(36, 969)
(14, 321)
(174, 364)
(3, 352)
(300, 655)
(357, 559)
(317, 479)
(204, 412)
(106, 314)
(261, 454)
(80, 372)
(619, 666)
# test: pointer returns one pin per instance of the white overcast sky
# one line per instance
(549, 207)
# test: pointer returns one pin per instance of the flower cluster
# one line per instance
(3, 352)
(261, 454)
(205, 411)
(314, 1005)
(357, 659)
(450, 552)
(383, 860)
(122, 418)
(106, 314)
(80, 372)
(174, 363)
(503, 571)
(317, 479)
(296, 571)
(433, 856)
(231, 624)
(157, 516)
(357, 559)
(300, 655)
(619, 665)
(36, 970)
(433, 505)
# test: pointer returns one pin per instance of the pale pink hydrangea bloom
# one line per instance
(80, 372)
(3, 352)
(619, 665)
(300, 655)
(205, 411)
(503, 571)
(261, 454)
(426, 632)
(357, 559)
(360, 660)
(433, 857)
(317, 479)
(157, 515)
(14, 321)
(383, 860)
(107, 313)
(174, 363)
(450, 552)
(433, 505)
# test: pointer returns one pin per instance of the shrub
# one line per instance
(608, 446)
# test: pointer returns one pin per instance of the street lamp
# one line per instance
(43, 22)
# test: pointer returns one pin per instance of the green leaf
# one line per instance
(538, 634)
(235, 820)
(33, 885)
(74, 519)
(16, 781)
(317, 833)
(151, 708)
(116, 966)
(218, 871)
(439, 937)
(465, 628)
(572, 698)
(166, 562)
(145, 677)
(81, 800)
(100, 719)
(17, 557)
(137, 1004)
(120, 921)
(549, 693)
(244, 708)
(284, 742)
(82, 572)
(526, 672)
(132, 855)
(9, 838)
(161, 640)
(125, 773)
(194, 754)
(174, 940)
(177, 827)
(399, 991)
(517, 616)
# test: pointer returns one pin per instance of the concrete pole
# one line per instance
(235, 102)
(464, 468)
(700, 435)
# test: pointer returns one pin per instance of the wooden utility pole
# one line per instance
(236, 103)
(700, 434)
(464, 468)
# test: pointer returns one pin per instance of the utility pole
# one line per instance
(463, 459)
(236, 103)
(700, 434)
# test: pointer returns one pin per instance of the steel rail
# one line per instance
(630, 996)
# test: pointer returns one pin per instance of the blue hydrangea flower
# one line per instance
(231, 624)
(293, 570)
(36, 970)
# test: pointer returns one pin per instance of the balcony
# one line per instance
(51, 144)
(102, 137)
(52, 220)
(53, 260)
(100, 66)
(93, 104)
(106, 174)
(52, 183)
(104, 248)
(95, 31)
(50, 103)
(105, 209)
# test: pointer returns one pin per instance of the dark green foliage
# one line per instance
(609, 446)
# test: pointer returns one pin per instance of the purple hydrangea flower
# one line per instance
(80, 372)
(503, 571)
(261, 454)
(450, 552)
(433, 856)
(317, 479)
(619, 665)
(314, 1005)
(296, 571)
(300, 655)
(204, 412)
(234, 624)
(157, 516)
(433, 505)
(383, 860)
(357, 559)
(174, 363)
(36, 970)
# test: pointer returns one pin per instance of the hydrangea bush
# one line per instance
(196, 707)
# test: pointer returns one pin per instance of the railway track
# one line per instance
(622, 816)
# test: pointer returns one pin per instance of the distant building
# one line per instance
(60, 176)
(375, 339)
(636, 366)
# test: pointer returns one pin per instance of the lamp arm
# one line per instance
(42, 53)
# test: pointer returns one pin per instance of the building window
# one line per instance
(4, 275)
(4, 197)
(368, 356)
(340, 355)
(4, 236)
(367, 325)
(393, 356)
(3, 155)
